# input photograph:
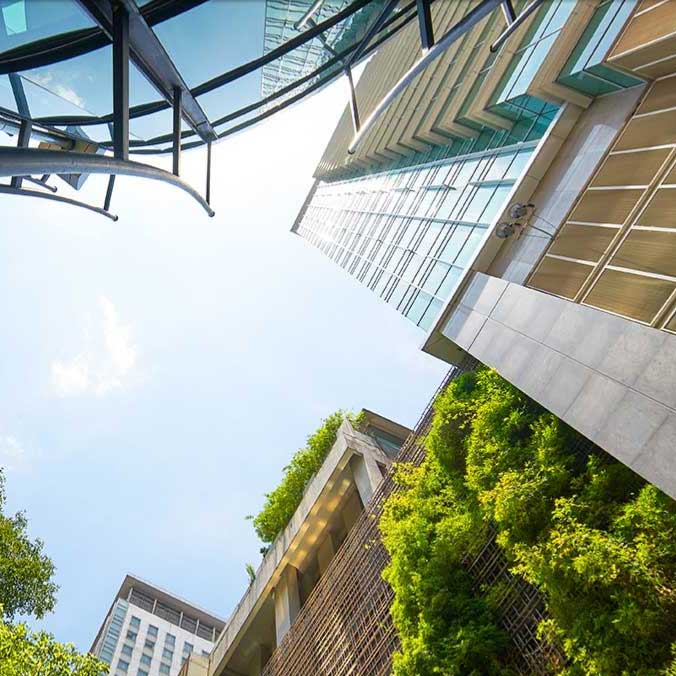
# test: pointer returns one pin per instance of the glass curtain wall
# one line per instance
(408, 234)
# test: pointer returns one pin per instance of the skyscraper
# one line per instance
(150, 632)
(510, 191)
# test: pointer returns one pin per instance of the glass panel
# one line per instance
(6, 94)
(214, 37)
(25, 21)
(82, 85)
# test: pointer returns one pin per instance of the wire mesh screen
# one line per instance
(345, 627)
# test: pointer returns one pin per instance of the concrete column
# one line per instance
(259, 658)
(325, 553)
(287, 601)
(367, 476)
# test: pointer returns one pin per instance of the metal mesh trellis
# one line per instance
(344, 628)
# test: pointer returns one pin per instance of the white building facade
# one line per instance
(149, 632)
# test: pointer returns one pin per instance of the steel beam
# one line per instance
(176, 140)
(19, 95)
(120, 82)
(22, 192)
(31, 161)
(148, 53)
(465, 24)
(22, 142)
(425, 23)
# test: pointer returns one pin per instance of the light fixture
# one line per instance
(518, 210)
(504, 230)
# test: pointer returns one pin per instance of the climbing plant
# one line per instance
(282, 501)
(592, 536)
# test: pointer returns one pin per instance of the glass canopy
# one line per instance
(238, 60)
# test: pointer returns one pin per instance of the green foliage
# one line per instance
(589, 533)
(25, 572)
(281, 503)
(251, 572)
(23, 653)
(443, 626)
(26, 587)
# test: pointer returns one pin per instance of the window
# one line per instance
(187, 647)
(206, 653)
(141, 672)
(167, 653)
(126, 650)
(170, 639)
(135, 622)
(131, 635)
(146, 659)
(152, 630)
(149, 644)
(164, 668)
(122, 665)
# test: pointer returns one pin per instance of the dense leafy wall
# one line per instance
(592, 536)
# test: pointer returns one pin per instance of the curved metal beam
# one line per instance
(318, 84)
(22, 192)
(465, 24)
(31, 161)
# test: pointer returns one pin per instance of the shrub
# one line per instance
(592, 536)
(282, 502)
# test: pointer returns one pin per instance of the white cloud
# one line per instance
(106, 363)
(47, 81)
(12, 454)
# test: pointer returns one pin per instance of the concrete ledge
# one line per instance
(349, 442)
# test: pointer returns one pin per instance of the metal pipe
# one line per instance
(109, 192)
(40, 182)
(22, 192)
(527, 11)
(314, 8)
(353, 100)
(31, 161)
(464, 25)
(208, 189)
(508, 11)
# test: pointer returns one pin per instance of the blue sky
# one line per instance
(158, 372)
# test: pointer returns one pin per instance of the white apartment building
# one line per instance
(149, 632)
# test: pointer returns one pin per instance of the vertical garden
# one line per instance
(596, 540)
